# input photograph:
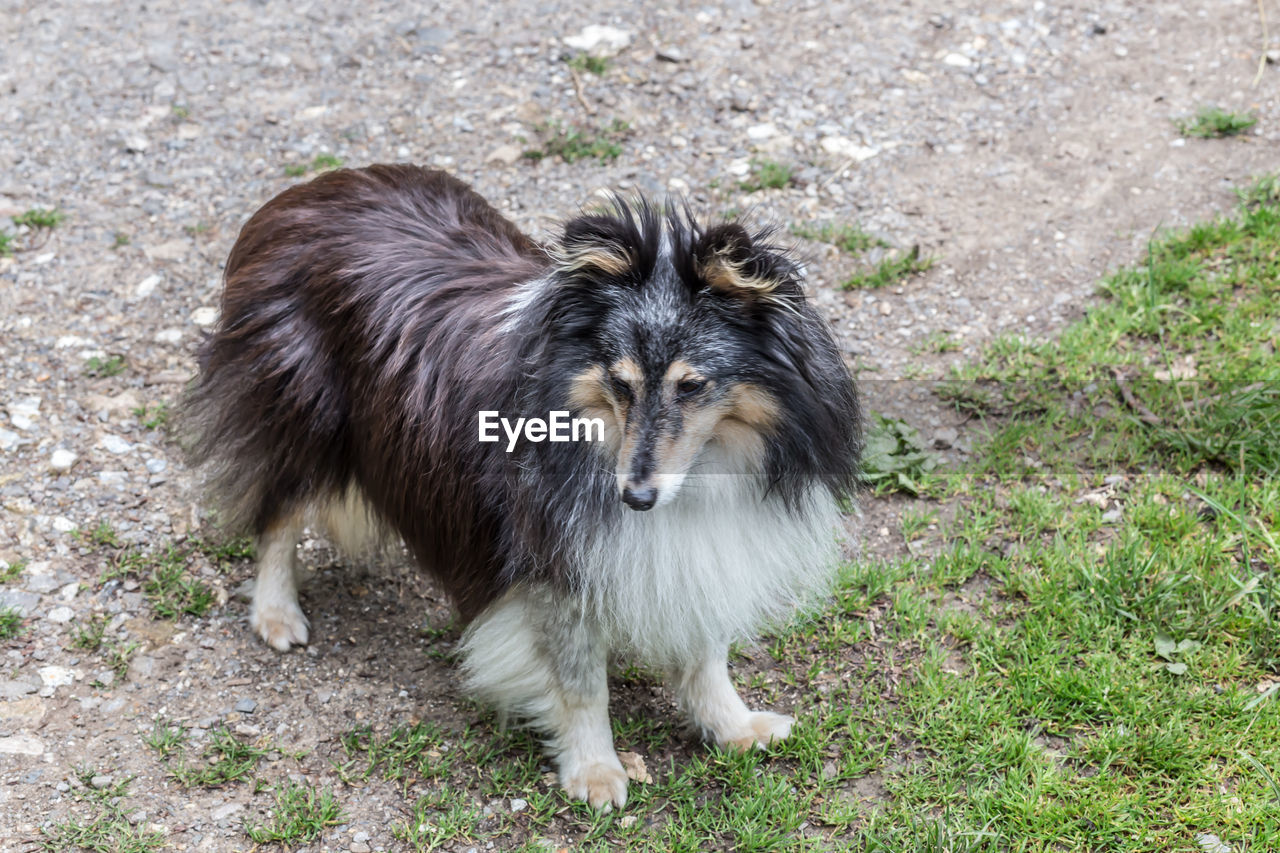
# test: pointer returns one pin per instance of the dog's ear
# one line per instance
(729, 261)
(595, 244)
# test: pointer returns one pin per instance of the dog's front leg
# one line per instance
(708, 696)
(579, 721)
(534, 655)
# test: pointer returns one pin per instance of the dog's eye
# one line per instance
(621, 388)
(689, 387)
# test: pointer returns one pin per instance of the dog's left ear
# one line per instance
(729, 261)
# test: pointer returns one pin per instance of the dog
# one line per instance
(370, 315)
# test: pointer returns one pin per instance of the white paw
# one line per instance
(756, 731)
(282, 624)
(602, 784)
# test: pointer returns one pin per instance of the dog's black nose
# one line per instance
(640, 499)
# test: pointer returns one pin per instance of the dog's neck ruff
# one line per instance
(710, 568)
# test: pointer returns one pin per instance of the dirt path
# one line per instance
(1028, 151)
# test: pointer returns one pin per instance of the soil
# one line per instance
(1027, 148)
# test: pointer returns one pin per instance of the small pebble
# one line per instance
(116, 444)
(61, 615)
(62, 460)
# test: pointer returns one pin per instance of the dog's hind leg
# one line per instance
(708, 696)
(534, 655)
(275, 614)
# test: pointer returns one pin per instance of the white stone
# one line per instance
(957, 60)
(56, 676)
(61, 615)
(506, 154)
(23, 411)
(147, 286)
(62, 459)
(115, 444)
(112, 478)
(843, 147)
(761, 131)
(8, 439)
(597, 38)
(205, 316)
(21, 745)
(62, 524)
(169, 336)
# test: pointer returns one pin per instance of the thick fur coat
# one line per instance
(370, 315)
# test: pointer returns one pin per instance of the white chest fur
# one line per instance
(709, 568)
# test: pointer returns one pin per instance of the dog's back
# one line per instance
(356, 325)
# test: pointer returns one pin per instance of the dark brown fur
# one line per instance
(288, 408)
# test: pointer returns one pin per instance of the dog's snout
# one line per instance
(641, 498)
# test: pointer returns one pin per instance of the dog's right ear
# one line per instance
(597, 244)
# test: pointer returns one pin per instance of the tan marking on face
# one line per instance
(628, 371)
(589, 394)
(610, 260)
(753, 405)
(752, 415)
(678, 371)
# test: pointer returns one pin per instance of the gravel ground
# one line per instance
(1028, 148)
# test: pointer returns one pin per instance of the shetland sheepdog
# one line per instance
(369, 317)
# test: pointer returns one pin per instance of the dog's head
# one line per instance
(684, 338)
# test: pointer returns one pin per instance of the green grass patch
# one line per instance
(106, 829)
(226, 757)
(571, 143)
(11, 623)
(767, 175)
(1099, 634)
(597, 65)
(164, 572)
(12, 571)
(895, 458)
(892, 269)
(1215, 122)
(153, 416)
(103, 535)
(40, 217)
(167, 739)
(320, 163)
(97, 367)
(299, 816)
(849, 239)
